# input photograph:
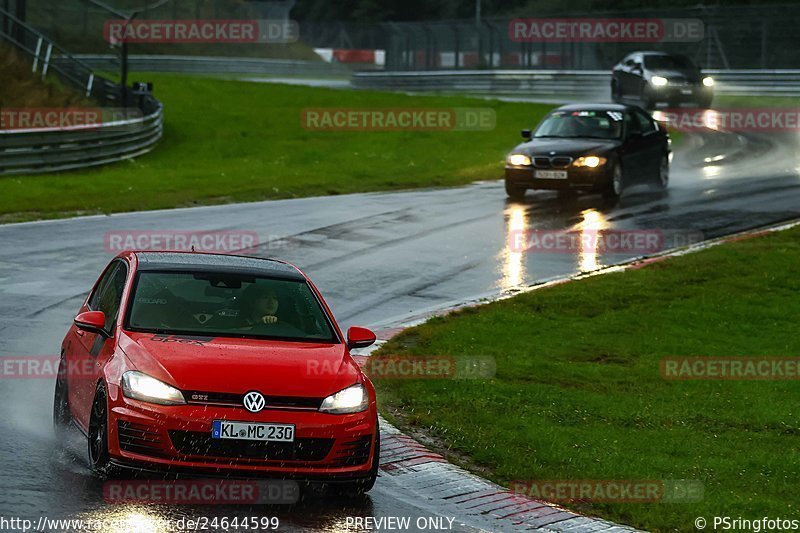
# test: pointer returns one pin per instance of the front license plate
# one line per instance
(223, 429)
(686, 91)
(551, 174)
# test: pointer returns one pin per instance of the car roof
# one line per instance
(221, 263)
(594, 107)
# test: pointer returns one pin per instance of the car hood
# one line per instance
(236, 366)
(568, 147)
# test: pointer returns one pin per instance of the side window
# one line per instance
(108, 296)
(94, 299)
(631, 124)
(645, 123)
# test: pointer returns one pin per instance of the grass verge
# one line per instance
(578, 393)
(229, 141)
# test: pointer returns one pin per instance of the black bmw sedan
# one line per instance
(590, 147)
(654, 77)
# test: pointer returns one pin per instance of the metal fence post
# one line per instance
(47, 59)
(36, 55)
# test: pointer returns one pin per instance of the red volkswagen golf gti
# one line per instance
(217, 364)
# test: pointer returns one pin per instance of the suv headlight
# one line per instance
(142, 387)
(708, 81)
(350, 400)
(519, 160)
(659, 81)
(591, 161)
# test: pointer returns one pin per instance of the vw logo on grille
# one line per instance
(254, 401)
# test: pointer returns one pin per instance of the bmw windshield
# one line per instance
(664, 62)
(225, 305)
(581, 124)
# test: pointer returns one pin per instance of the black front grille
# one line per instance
(139, 438)
(201, 444)
(541, 162)
(354, 452)
(560, 162)
(237, 400)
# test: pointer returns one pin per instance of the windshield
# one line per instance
(659, 62)
(592, 124)
(225, 305)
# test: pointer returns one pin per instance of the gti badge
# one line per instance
(254, 401)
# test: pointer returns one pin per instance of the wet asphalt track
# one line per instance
(379, 259)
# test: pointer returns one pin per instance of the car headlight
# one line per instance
(708, 81)
(519, 160)
(659, 81)
(142, 387)
(350, 400)
(591, 161)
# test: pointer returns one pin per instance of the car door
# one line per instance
(93, 349)
(652, 145)
(633, 149)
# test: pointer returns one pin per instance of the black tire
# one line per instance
(616, 185)
(515, 192)
(99, 459)
(662, 179)
(61, 414)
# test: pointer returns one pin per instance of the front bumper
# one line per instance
(578, 178)
(178, 439)
(681, 93)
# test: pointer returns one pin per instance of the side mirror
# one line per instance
(526, 134)
(359, 337)
(93, 322)
(637, 69)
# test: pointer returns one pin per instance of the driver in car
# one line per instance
(263, 308)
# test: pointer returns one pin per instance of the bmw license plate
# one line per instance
(223, 429)
(551, 174)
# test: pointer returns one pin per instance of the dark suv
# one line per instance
(653, 77)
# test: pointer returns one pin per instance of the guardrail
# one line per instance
(26, 151)
(216, 65)
(57, 149)
(566, 83)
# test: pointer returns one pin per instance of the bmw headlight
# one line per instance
(142, 387)
(519, 160)
(350, 400)
(591, 161)
(658, 81)
(708, 81)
